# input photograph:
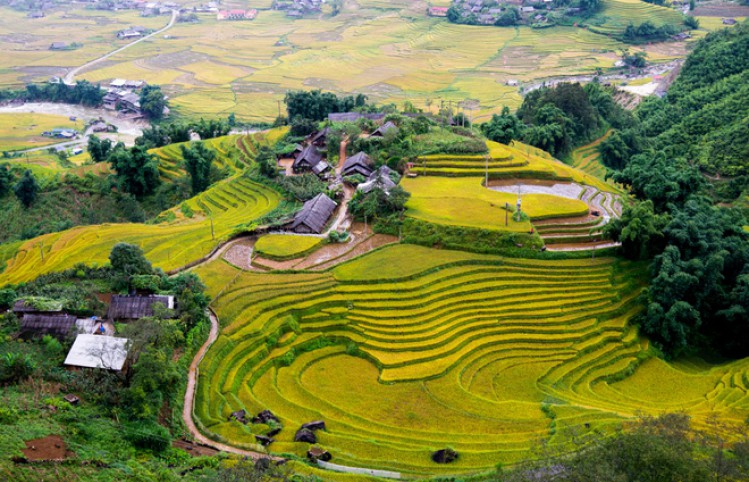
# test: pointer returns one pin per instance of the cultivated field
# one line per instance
(408, 350)
(185, 235)
(24, 131)
(388, 50)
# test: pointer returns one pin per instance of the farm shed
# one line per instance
(126, 308)
(23, 307)
(96, 351)
(354, 116)
(59, 325)
(313, 215)
(58, 46)
(359, 163)
(387, 126)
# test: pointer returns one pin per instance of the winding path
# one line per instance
(192, 381)
(70, 76)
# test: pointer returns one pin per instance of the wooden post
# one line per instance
(486, 172)
(41, 250)
(279, 108)
(507, 214)
(212, 235)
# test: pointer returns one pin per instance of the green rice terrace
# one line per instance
(408, 350)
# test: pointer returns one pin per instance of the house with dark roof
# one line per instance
(314, 215)
(134, 307)
(58, 46)
(59, 325)
(359, 163)
(320, 138)
(386, 127)
(310, 159)
(381, 178)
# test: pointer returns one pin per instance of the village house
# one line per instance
(37, 325)
(58, 46)
(359, 163)
(314, 215)
(22, 307)
(36, 14)
(131, 33)
(124, 308)
(236, 14)
(383, 129)
(94, 351)
(729, 21)
(381, 178)
(310, 159)
(319, 139)
(355, 116)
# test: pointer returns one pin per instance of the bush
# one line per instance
(150, 436)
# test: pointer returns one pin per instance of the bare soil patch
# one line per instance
(195, 449)
(51, 448)
(721, 11)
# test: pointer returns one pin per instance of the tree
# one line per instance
(152, 101)
(198, 162)
(639, 230)
(26, 189)
(266, 162)
(336, 6)
(99, 150)
(136, 171)
(5, 179)
(129, 260)
(503, 128)
(614, 151)
(692, 23)
(511, 16)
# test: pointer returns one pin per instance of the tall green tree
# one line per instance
(503, 128)
(198, 162)
(5, 179)
(99, 149)
(26, 189)
(152, 101)
(128, 259)
(136, 171)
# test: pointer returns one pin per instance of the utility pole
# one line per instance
(486, 172)
(507, 213)
(212, 235)
(279, 108)
(41, 250)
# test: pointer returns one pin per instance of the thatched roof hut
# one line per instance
(314, 215)
(125, 308)
(359, 163)
(36, 325)
(307, 159)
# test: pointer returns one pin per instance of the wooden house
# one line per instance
(384, 128)
(310, 159)
(320, 139)
(59, 325)
(314, 215)
(130, 308)
(378, 179)
(359, 163)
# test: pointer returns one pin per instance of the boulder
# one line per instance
(239, 416)
(264, 417)
(316, 425)
(316, 453)
(305, 435)
(262, 464)
(273, 432)
(263, 440)
(445, 456)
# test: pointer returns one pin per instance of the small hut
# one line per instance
(314, 215)
(320, 139)
(359, 163)
(135, 307)
(378, 179)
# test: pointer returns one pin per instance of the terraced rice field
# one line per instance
(449, 189)
(408, 350)
(286, 246)
(231, 155)
(617, 14)
(224, 209)
(588, 159)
